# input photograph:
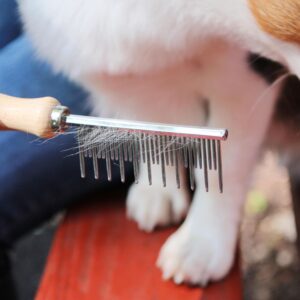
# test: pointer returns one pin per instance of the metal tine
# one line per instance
(111, 149)
(89, 152)
(172, 151)
(125, 150)
(117, 143)
(156, 138)
(152, 147)
(214, 152)
(190, 148)
(177, 155)
(84, 144)
(117, 151)
(130, 148)
(148, 159)
(194, 150)
(142, 140)
(220, 170)
(84, 151)
(88, 136)
(90, 147)
(137, 148)
(98, 148)
(108, 165)
(166, 149)
(132, 138)
(191, 165)
(115, 147)
(136, 159)
(179, 148)
(162, 158)
(98, 151)
(199, 152)
(121, 162)
(103, 151)
(209, 154)
(81, 154)
(136, 171)
(205, 164)
(81, 139)
(95, 163)
(185, 154)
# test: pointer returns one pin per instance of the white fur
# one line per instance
(158, 206)
(157, 60)
(132, 36)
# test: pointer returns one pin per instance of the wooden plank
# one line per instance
(98, 254)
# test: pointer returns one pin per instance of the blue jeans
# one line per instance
(37, 178)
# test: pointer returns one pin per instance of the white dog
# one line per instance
(156, 60)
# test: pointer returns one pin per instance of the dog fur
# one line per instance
(161, 61)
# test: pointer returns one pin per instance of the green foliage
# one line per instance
(256, 203)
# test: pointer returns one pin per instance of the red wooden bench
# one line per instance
(98, 254)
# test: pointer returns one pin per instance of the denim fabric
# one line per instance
(9, 21)
(37, 178)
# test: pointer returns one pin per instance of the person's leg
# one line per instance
(30, 171)
(10, 26)
(7, 289)
(37, 178)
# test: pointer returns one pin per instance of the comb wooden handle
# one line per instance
(28, 115)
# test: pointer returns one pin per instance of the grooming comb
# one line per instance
(122, 141)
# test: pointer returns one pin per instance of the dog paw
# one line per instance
(197, 254)
(152, 206)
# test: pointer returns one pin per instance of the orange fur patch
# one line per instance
(280, 18)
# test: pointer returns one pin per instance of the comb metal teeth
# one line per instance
(120, 147)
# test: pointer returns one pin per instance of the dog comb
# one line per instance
(121, 141)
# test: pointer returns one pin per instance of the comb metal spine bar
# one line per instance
(148, 127)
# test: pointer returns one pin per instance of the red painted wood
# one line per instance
(98, 254)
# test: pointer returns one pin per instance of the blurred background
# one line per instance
(270, 261)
